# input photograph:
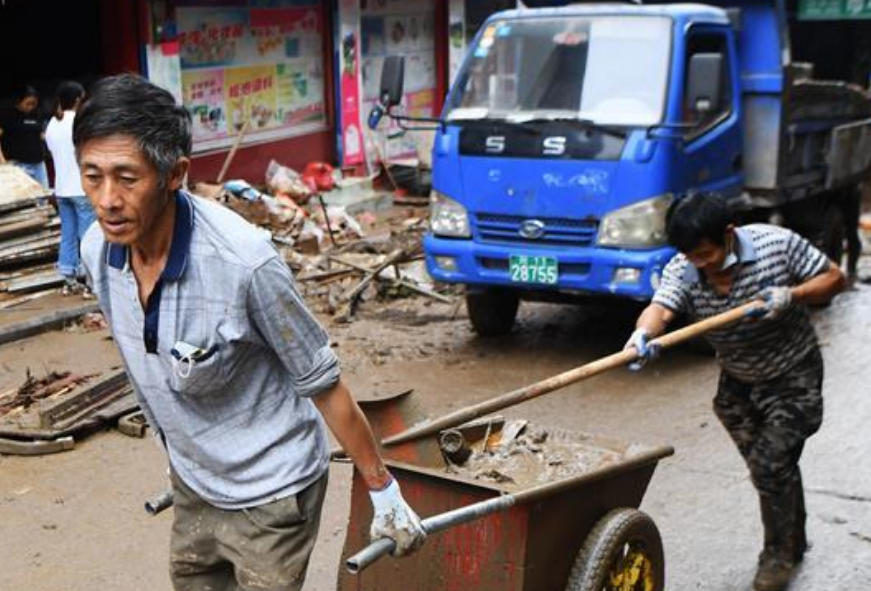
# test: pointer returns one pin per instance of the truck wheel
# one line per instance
(623, 552)
(492, 311)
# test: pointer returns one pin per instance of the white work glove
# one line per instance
(647, 351)
(777, 300)
(394, 519)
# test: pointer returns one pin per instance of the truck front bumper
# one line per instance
(625, 273)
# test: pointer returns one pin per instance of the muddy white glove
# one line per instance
(394, 519)
(647, 351)
(777, 299)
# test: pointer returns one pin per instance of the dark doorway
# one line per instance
(46, 41)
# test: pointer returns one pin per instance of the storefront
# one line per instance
(44, 42)
(254, 73)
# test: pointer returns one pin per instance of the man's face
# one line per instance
(123, 187)
(707, 256)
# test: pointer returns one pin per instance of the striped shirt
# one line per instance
(752, 350)
(238, 423)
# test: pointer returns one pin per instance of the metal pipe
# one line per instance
(384, 546)
(159, 503)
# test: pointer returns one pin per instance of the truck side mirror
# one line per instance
(390, 94)
(704, 83)
(392, 80)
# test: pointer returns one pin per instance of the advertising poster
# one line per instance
(250, 94)
(203, 93)
(260, 61)
(349, 77)
(164, 67)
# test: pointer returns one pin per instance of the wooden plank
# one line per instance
(23, 227)
(35, 282)
(45, 322)
(66, 410)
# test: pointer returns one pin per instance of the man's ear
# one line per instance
(179, 171)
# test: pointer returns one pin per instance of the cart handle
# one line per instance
(384, 546)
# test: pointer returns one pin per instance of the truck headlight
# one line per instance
(447, 217)
(640, 225)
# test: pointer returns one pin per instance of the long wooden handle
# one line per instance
(571, 376)
(232, 153)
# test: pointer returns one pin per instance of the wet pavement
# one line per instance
(74, 521)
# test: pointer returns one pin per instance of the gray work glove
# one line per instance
(776, 299)
(647, 351)
(394, 519)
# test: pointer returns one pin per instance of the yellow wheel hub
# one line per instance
(632, 572)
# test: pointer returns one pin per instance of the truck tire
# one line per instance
(492, 311)
(623, 552)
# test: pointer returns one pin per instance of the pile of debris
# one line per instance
(338, 259)
(42, 415)
(29, 238)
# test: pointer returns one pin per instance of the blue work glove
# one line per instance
(776, 300)
(647, 351)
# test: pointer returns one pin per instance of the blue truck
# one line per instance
(569, 130)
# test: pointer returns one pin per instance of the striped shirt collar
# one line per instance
(745, 250)
(117, 255)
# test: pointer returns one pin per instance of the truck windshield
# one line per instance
(607, 70)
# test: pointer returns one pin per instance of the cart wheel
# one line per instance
(623, 552)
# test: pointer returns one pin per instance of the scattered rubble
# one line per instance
(339, 260)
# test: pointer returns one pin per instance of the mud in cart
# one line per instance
(561, 514)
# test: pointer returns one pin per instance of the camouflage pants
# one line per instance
(769, 422)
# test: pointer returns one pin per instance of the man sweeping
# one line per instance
(769, 396)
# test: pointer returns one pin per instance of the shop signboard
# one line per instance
(258, 61)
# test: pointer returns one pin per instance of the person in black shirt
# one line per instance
(21, 135)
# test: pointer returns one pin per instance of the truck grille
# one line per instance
(557, 231)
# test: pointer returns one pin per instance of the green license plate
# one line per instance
(532, 269)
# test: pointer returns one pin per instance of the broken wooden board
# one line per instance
(17, 186)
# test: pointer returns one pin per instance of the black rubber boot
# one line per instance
(783, 523)
(773, 573)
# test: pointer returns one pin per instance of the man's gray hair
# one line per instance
(129, 105)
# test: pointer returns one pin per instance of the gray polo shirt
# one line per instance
(752, 350)
(238, 424)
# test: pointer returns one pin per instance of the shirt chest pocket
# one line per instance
(197, 369)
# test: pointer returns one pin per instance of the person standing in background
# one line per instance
(21, 135)
(74, 208)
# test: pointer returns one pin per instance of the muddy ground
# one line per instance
(74, 521)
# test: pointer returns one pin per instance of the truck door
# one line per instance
(712, 142)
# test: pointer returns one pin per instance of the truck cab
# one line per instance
(565, 138)
(569, 131)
